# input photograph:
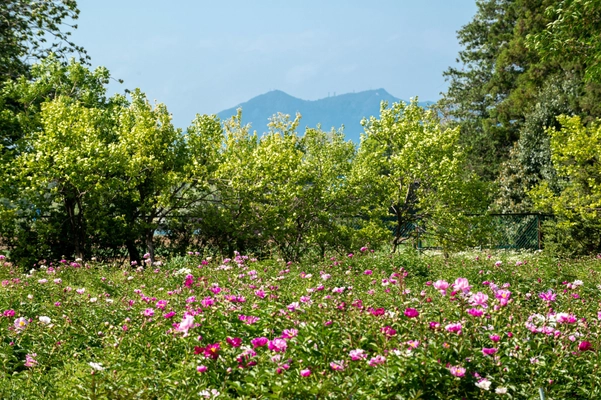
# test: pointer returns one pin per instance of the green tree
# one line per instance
(414, 168)
(162, 168)
(30, 30)
(30, 215)
(575, 150)
(572, 36)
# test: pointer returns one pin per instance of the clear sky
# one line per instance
(200, 56)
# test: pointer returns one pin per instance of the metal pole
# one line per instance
(541, 392)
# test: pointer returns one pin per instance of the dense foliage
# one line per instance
(368, 325)
(524, 63)
(113, 177)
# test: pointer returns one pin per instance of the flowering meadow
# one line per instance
(361, 326)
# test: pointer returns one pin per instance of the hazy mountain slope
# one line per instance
(335, 111)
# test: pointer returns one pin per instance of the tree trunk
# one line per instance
(132, 249)
(149, 237)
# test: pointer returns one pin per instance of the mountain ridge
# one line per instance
(329, 112)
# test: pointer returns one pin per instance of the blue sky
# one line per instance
(207, 56)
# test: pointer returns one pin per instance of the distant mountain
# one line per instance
(335, 111)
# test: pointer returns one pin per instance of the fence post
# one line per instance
(539, 231)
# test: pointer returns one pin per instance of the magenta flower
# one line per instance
(457, 371)
(169, 314)
(305, 372)
(189, 281)
(289, 333)
(161, 304)
(278, 345)
(434, 325)
(260, 293)
(211, 351)
(489, 351)
(549, 296)
(368, 272)
(462, 284)
(234, 342)
(9, 313)
(202, 369)
(377, 311)
(30, 360)
(358, 354)
(259, 342)
(377, 360)
(149, 312)
(454, 327)
(413, 344)
(337, 365)
(248, 319)
(479, 300)
(441, 286)
(495, 338)
(388, 331)
(475, 312)
(207, 302)
(585, 345)
(503, 296)
(186, 324)
(411, 313)
(565, 318)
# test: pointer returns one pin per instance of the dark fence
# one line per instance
(505, 231)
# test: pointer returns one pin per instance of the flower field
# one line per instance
(363, 326)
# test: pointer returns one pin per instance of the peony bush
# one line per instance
(362, 326)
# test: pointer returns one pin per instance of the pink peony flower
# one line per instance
(434, 325)
(457, 371)
(149, 312)
(585, 345)
(479, 300)
(21, 323)
(30, 360)
(495, 338)
(211, 351)
(186, 324)
(441, 286)
(358, 354)
(565, 318)
(489, 351)
(278, 345)
(305, 372)
(259, 342)
(411, 313)
(377, 360)
(202, 369)
(549, 296)
(289, 333)
(462, 284)
(503, 296)
(454, 327)
(475, 312)
(234, 342)
(388, 331)
(337, 365)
